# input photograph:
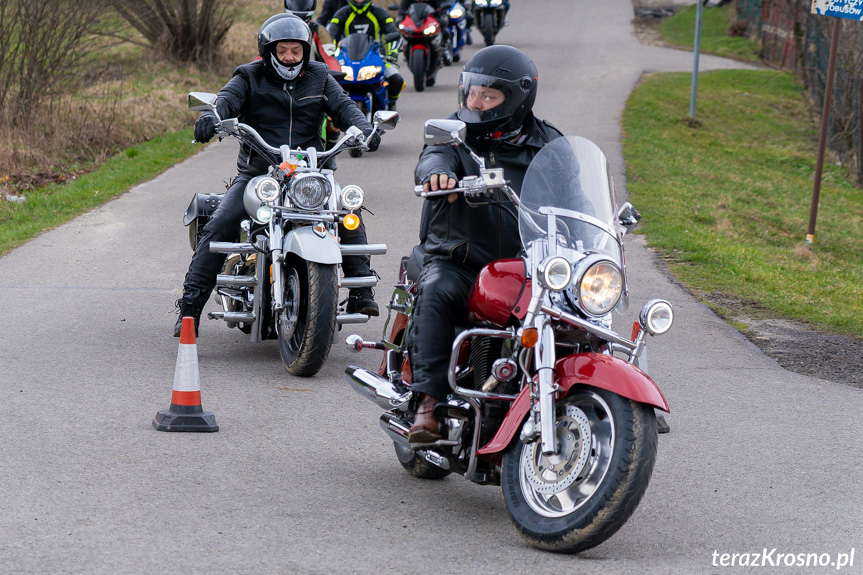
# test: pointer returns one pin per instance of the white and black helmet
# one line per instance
(303, 9)
(283, 28)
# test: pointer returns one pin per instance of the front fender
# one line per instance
(311, 247)
(595, 369)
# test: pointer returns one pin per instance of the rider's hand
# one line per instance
(441, 182)
(205, 128)
(373, 141)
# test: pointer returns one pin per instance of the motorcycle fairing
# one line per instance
(595, 369)
(304, 242)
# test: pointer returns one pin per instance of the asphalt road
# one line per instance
(300, 479)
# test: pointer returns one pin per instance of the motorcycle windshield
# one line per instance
(419, 11)
(356, 46)
(568, 187)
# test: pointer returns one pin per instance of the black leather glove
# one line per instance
(373, 141)
(205, 128)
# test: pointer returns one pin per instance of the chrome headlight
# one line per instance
(368, 72)
(656, 317)
(352, 197)
(554, 273)
(267, 189)
(309, 191)
(264, 214)
(349, 73)
(598, 283)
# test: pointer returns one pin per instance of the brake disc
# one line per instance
(552, 473)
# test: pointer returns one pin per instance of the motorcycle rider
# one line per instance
(283, 96)
(497, 90)
(329, 8)
(361, 16)
(441, 14)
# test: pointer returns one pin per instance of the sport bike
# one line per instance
(423, 45)
(281, 279)
(458, 27)
(490, 16)
(362, 64)
(546, 400)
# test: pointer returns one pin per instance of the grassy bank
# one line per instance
(727, 203)
(56, 204)
(679, 30)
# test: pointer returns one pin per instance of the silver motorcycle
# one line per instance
(281, 280)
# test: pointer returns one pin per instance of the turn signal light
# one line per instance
(529, 337)
(352, 221)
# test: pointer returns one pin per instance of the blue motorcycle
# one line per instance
(363, 66)
(458, 27)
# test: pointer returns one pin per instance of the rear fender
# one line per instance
(594, 369)
(304, 242)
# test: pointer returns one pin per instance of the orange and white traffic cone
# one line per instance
(186, 413)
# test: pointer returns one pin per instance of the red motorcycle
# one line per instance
(547, 401)
(423, 45)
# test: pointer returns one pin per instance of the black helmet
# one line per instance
(509, 71)
(303, 9)
(359, 4)
(283, 28)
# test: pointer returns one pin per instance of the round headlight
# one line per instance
(352, 197)
(599, 287)
(555, 273)
(264, 214)
(309, 191)
(656, 317)
(267, 189)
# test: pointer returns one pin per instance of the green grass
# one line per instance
(727, 203)
(679, 30)
(54, 205)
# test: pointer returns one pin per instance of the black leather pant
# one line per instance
(440, 306)
(224, 226)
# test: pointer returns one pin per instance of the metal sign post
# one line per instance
(852, 9)
(697, 49)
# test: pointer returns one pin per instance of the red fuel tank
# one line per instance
(501, 290)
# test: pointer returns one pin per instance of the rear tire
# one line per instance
(578, 499)
(488, 28)
(307, 324)
(417, 66)
(416, 465)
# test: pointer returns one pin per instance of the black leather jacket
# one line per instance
(477, 235)
(286, 112)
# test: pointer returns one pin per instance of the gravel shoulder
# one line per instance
(794, 345)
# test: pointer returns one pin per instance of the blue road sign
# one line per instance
(851, 9)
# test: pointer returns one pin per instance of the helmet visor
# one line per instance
(483, 98)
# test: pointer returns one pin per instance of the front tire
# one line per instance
(417, 66)
(488, 28)
(307, 324)
(577, 499)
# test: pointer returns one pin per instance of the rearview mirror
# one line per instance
(202, 102)
(439, 132)
(628, 216)
(386, 119)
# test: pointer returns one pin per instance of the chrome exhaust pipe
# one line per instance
(375, 388)
(396, 428)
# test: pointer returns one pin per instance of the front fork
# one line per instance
(278, 258)
(544, 358)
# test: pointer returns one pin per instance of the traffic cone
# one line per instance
(186, 413)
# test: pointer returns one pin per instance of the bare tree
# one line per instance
(185, 30)
(42, 46)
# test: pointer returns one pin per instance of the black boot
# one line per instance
(362, 300)
(185, 309)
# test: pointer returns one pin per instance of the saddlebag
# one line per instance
(198, 214)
